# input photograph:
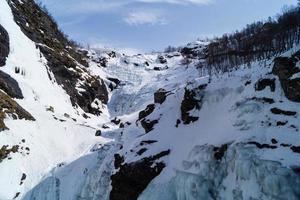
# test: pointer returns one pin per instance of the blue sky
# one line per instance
(147, 25)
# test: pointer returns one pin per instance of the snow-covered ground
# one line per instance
(59, 136)
(229, 115)
(66, 161)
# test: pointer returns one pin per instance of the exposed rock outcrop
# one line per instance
(160, 96)
(5, 151)
(65, 60)
(12, 108)
(10, 86)
(192, 100)
(285, 68)
(131, 179)
(148, 110)
(266, 82)
(4, 46)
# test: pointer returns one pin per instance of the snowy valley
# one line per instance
(96, 124)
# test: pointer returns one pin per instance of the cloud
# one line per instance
(69, 7)
(144, 17)
(199, 2)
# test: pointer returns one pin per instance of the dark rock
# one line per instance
(263, 146)
(4, 46)
(263, 83)
(160, 68)
(178, 121)
(50, 109)
(146, 142)
(277, 111)
(219, 152)
(274, 141)
(105, 126)
(65, 60)
(189, 52)
(160, 96)
(295, 149)
(114, 83)
(280, 123)
(122, 125)
(10, 86)
(98, 133)
(5, 151)
(9, 107)
(141, 151)
(285, 68)
(17, 195)
(263, 100)
(116, 121)
(161, 59)
(128, 123)
(23, 178)
(144, 113)
(247, 83)
(112, 54)
(132, 178)
(148, 124)
(118, 160)
(296, 169)
(285, 145)
(192, 100)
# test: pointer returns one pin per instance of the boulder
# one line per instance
(266, 82)
(10, 86)
(160, 96)
(98, 133)
(277, 111)
(148, 124)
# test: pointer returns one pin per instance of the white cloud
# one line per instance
(199, 2)
(144, 17)
(68, 7)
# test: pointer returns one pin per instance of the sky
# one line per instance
(137, 26)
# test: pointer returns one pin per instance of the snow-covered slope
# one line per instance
(59, 132)
(199, 138)
(168, 131)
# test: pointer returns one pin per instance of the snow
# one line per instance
(67, 161)
(50, 141)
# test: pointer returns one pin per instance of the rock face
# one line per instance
(5, 151)
(4, 46)
(160, 96)
(10, 86)
(192, 100)
(146, 123)
(263, 83)
(67, 63)
(285, 68)
(131, 179)
(12, 108)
